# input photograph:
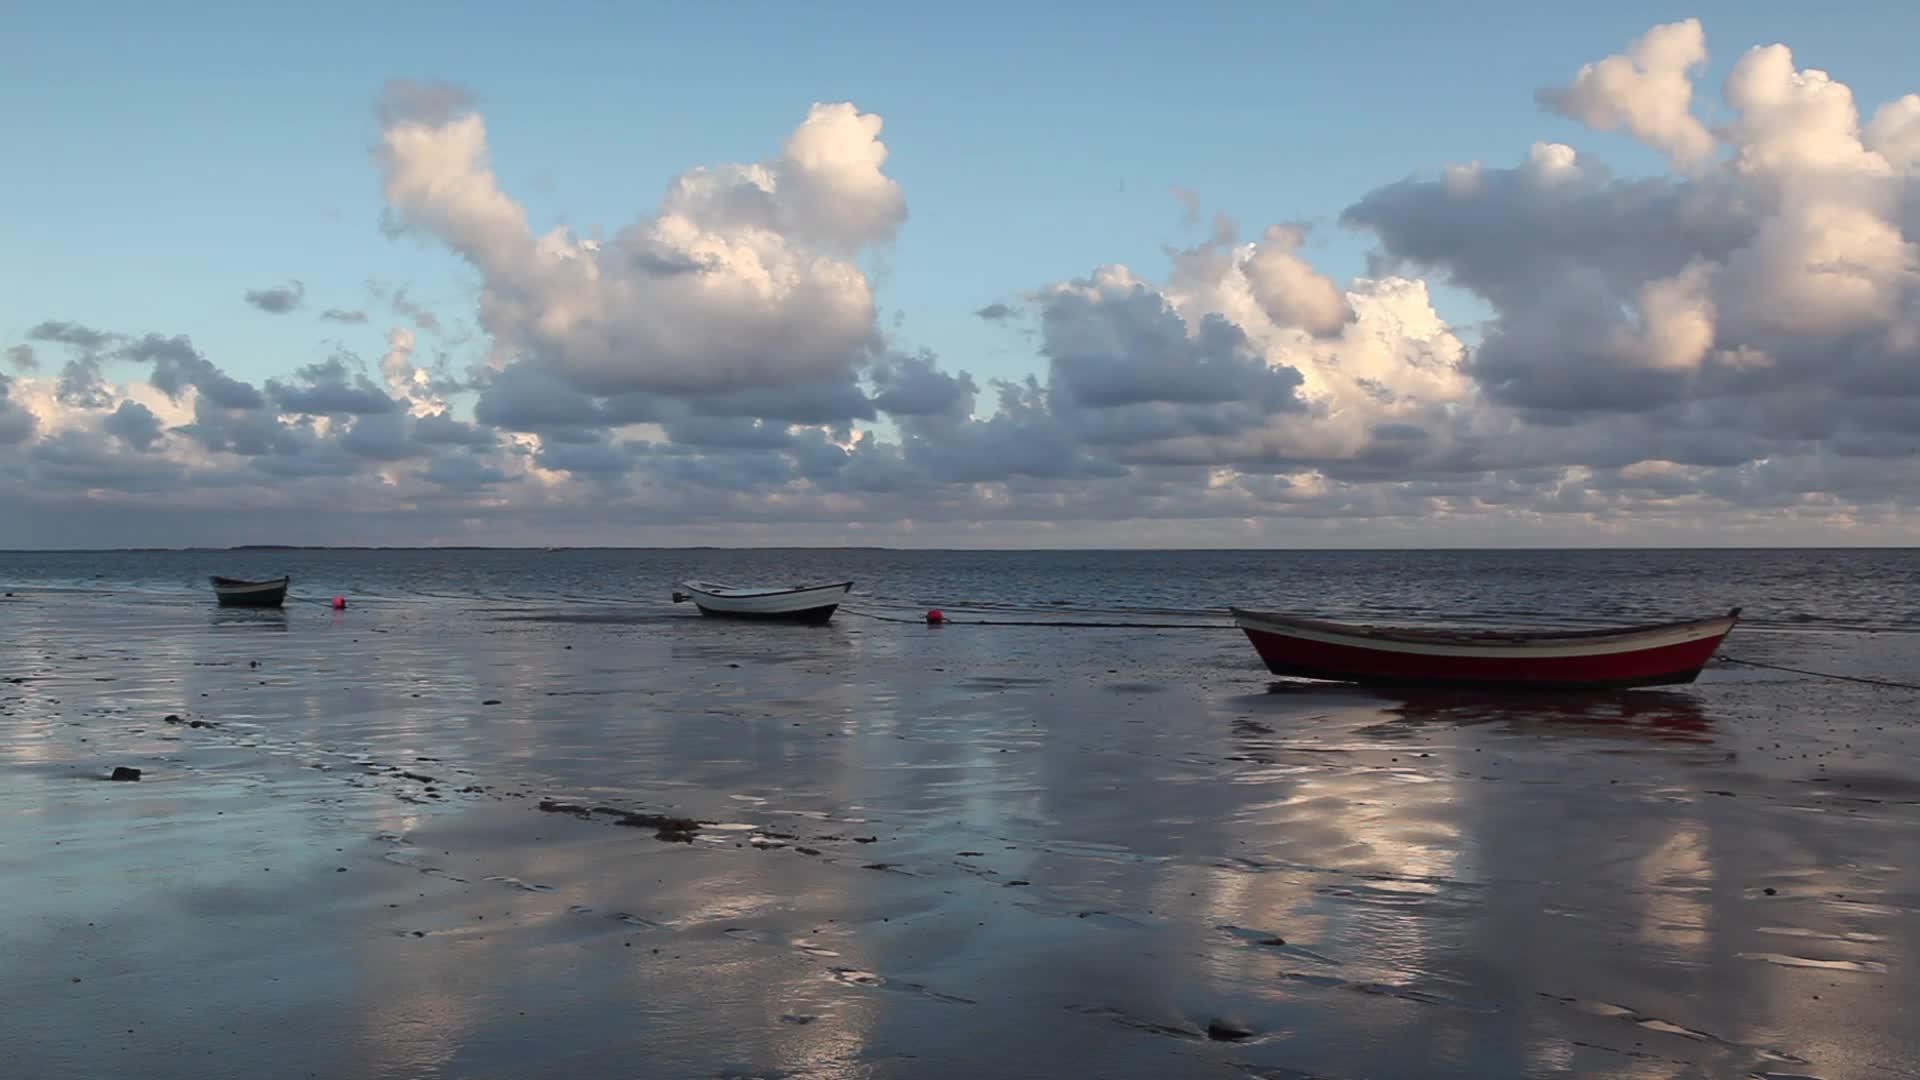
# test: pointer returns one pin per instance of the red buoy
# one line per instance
(935, 618)
(339, 603)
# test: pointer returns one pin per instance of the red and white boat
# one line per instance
(1656, 655)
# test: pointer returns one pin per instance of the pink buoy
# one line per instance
(339, 603)
(935, 617)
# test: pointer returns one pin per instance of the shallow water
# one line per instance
(952, 852)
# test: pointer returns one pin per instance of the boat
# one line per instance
(236, 593)
(1660, 654)
(798, 603)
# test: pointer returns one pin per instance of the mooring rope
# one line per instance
(1822, 674)
(1046, 622)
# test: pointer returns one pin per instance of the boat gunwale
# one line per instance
(227, 584)
(1276, 623)
(734, 592)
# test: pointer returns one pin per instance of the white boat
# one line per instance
(798, 603)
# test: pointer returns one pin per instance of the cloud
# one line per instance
(133, 424)
(279, 299)
(341, 315)
(1648, 90)
(777, 299)
(421, 317)
(17, 425)
(1727, 349)
(67, 333)
(22, 358)
(329, 387)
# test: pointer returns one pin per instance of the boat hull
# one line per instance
(252, 594)
(1664, 655)
(808, 604)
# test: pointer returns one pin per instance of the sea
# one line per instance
(1838, 588)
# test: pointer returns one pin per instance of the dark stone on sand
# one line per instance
(1017, 881)
(173, 719)
(789, 1018)
(422, 777)
(552, 806)
(201, 723)
(880, 866)
(1228, 1030)
(673, 829)
(807, 850)
(491, 701)
(969, 854)
(1770, 890)
(865, 839)
(1275, 941)
(122, 772)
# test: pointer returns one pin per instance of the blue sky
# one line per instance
(162, 164)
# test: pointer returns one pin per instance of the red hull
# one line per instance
(1653, 656)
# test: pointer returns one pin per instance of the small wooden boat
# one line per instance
(233, 592)
(800, 603)
(1655, 655)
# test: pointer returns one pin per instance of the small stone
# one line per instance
(1228, 1030)
(1276, 941)
(122, 772)
(491, 701)
(1770, 891)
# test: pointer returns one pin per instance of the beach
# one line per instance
(413, 839)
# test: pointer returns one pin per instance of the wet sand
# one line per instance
(960, 852)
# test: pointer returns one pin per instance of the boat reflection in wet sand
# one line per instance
(799, 603)
(1655, 655)
(233, 592)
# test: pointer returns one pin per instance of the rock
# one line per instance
(491, 701)
(865, 839)
(1227, 1030)
(201, 723)
(173, 719)
(673, 829)
(1276, 941)
(1770, 890)
(122, 772)
(1017, 881)
(807, 850)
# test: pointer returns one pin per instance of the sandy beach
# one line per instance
(955, 852)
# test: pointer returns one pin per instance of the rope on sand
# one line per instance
(1047, 622)
(1822, 674)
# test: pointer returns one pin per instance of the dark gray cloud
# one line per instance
(1125, 345)
(442, 429)
(133, 424)
(17, 425)
(996, 312)
(463, 472)
(178, 365)
(342, 315)
(69, 333)
(278, 299)
(22, 358)
(915, 386)
(330, 387)
(81, 384)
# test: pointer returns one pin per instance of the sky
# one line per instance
(1206, 275)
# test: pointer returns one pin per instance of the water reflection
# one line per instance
(1660, 714)
(249, 618)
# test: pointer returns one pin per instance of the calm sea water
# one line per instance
(1801, 589)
